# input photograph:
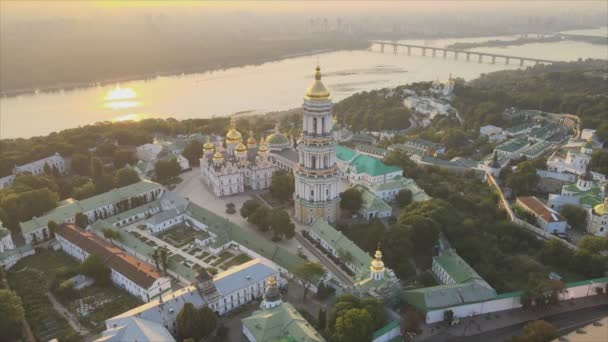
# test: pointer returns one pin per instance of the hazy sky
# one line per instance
(27, 10)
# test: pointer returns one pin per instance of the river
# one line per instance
(271, 86)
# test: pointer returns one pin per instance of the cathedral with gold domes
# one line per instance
(230, 168)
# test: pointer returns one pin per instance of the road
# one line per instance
(564, 322)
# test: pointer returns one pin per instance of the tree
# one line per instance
(448, 317)
(122, 158)
(403, 197)
(193, 152)
(537, 331)
(12, 313)
(282, 185)
(397, 249)
(84, 191)
(281, 224)
(52, 225)
(81, 164)
(195, 323)
(81, 220)
(401, 158)
(524, 179)
(353, 325)
(94, 267)
(167, 169)
(111, 234)
(125, 176)
(594, 244)
(351, 200)
(260, 218)
(309, 273)
(156, 258)
(321, 319)
(249, 207)
(163, 259)
(599, 161)
(576, 216)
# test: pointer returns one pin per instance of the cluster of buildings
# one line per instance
(54, 163)
(165, 148)
(425, 108)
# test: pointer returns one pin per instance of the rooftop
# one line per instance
(513, 145)
(437, 297)
(342, 244)
(401, 182)
(281, 323)
(371, 202)
(540, 209)
(136, 329)
(242, 276)
(456, 267)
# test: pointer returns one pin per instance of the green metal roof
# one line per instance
(372, 166)
(442, 296)
(62, 213)
(398, 183)
(342, 244)
(456, 267)
(345, 153)
(371, 202)
(281, 323)
(392, 325)
(277, 139)
(588, 198)
(513, 145)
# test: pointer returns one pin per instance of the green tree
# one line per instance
(12, 313)
(249, 207)
(351, 200)
(309, 273)
(81, 220)
(123, 158)
(397, 248)
(125, 176)
(594, 244)
(84, 191)
(188, 323)
(156, 257)
(599, 161)
(94, 267)
(52, 225)
(166, 169)
(281, 224)
(208, 321)
(282, 185)
(448, 317)
(403, 197)
(193, 152)
(261, 218)
(524, 179)
(537, 331)
(576, 216)
(353, 325)
(81, 164)
(321, 319)
(164, 260)
(111, 234)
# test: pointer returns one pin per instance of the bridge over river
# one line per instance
(456, 54)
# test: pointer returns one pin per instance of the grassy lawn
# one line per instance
(209, 258)
(31, 278)
(178, 258)
(179, 235)
(224, 255)
(237, 260)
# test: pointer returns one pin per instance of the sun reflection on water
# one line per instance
(121, 98)
(128, 117)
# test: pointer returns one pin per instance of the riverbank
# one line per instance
(528, 40)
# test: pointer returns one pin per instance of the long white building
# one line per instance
(136, 277)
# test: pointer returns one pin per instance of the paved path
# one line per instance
(72, 320)
(169, 247)
(335, 270)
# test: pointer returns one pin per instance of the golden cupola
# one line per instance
(377, 263)
(251, 142)
(208, 146)
(218, 156)
(233, 135)
(263, 148)
(317, 91)
(241, 148)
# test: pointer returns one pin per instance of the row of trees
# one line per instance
(375, 110)
(265, 219)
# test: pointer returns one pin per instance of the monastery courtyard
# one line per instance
(193, 189)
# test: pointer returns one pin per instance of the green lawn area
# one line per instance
(224, 255)
(237, 260)
(31, 278)
(179, 236)
(178, 258)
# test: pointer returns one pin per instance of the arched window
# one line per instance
(314, 125)
(313, 162)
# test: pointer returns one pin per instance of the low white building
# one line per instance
(493, 133)
(136, 277)
(570, 161)
(135, 329)
(9, 253)
(97, 207)
(7, 181)
(37, 167)
(548, 219)
(164, 220)
(223, 293)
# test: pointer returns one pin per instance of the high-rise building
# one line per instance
(317, 185)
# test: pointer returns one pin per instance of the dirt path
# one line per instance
(72, 320)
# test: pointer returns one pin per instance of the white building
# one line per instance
(598, 219)
(548, 219)
(317, 179)
(361, 168)
(136, 277)
(37, 167)
(493, 133)
(97, 207)
(7, 181)
(574, 161)
(9, 253)
(135, 329)
(229, 171)
(148, 152)
(223, 293)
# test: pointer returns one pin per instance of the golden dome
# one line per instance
(208, 145)
(251, 142)
(263, 147)
(233, 135)
(377, 263)
(601, 209)
(241, 147)
(218, 156)
(317, 90)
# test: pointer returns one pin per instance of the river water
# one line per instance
(271, 86)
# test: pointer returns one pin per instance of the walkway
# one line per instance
(65, 313)
(335, 270)
(168, 246)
